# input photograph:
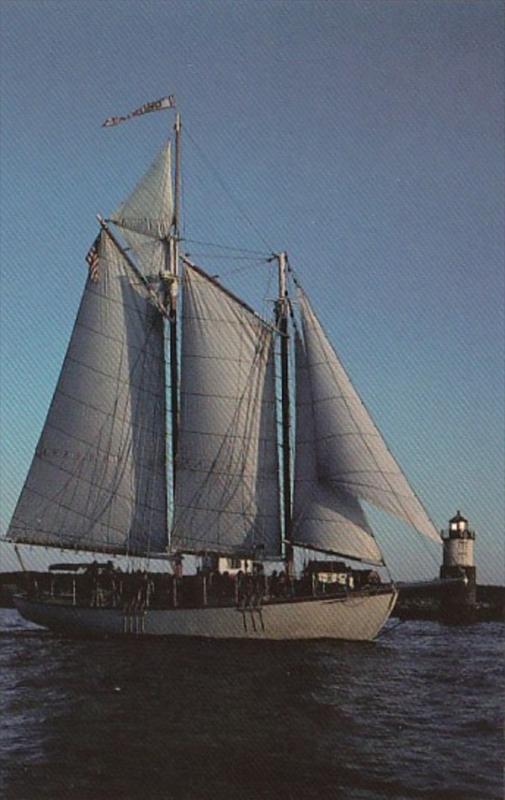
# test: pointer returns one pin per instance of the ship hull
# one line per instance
(357, 617)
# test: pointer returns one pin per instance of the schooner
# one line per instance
(221, 466)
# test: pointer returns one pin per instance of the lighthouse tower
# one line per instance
(458, 601)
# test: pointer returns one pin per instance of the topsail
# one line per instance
(147, 215)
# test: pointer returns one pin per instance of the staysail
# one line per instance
(97, 480)
(226, 490)
(146, 216)
(325, 517)
(351, 454)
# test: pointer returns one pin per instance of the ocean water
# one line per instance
(416, 714)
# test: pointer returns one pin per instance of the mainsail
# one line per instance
(146, 216)
(351, 455)
(97, 480)
(325, 517)
(226, 495)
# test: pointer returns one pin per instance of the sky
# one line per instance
(365, 138)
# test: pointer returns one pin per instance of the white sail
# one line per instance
(149, 209)
(325, 517)
(351, 453)
(147, 215)
(97, 480)
(226, 494)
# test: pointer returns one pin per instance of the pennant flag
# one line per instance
(92, 259)
(110, 121)
(156, 105)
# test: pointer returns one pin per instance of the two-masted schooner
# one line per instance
(221, 466)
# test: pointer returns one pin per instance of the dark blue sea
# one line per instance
(416, 714)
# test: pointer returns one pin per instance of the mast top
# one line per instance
(177, 178)
(282, 259)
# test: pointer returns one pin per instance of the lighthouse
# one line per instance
(458, 601)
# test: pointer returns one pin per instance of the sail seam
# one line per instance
(219, 396)
(87, 517)
(92, 447)
(206, 357)
(228, 473)
(253, 513)
(97, 485)
(129, 420)
(233, 436)
(236, 323)
(130, 384)
(342, 434)
(343, 484)
(146, 297)
(97, 332)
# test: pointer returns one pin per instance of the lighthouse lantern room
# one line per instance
(458, 543)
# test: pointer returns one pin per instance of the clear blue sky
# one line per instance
(366, 138)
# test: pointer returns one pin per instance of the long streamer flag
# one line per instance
(156, 105)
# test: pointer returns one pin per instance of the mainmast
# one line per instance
(282, 312)
(171, 300)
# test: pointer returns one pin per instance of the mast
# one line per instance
(282, 311)
(177, 194)
(172, 299)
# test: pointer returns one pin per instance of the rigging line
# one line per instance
(227, 190)
(227, 247)
(266, 299)
(182, 221)
(294, 277)
(215, 257)
(239, 270)
(214, 281)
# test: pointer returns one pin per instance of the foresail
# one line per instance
(97, 480)
(351, 453)
(226, 495)
(324, 517)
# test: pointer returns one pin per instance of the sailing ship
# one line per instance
(222, 467)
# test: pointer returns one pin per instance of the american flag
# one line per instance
(92, 259)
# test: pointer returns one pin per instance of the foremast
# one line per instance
(149, 220)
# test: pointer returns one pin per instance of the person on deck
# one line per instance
(258, 586)
(274, 584)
